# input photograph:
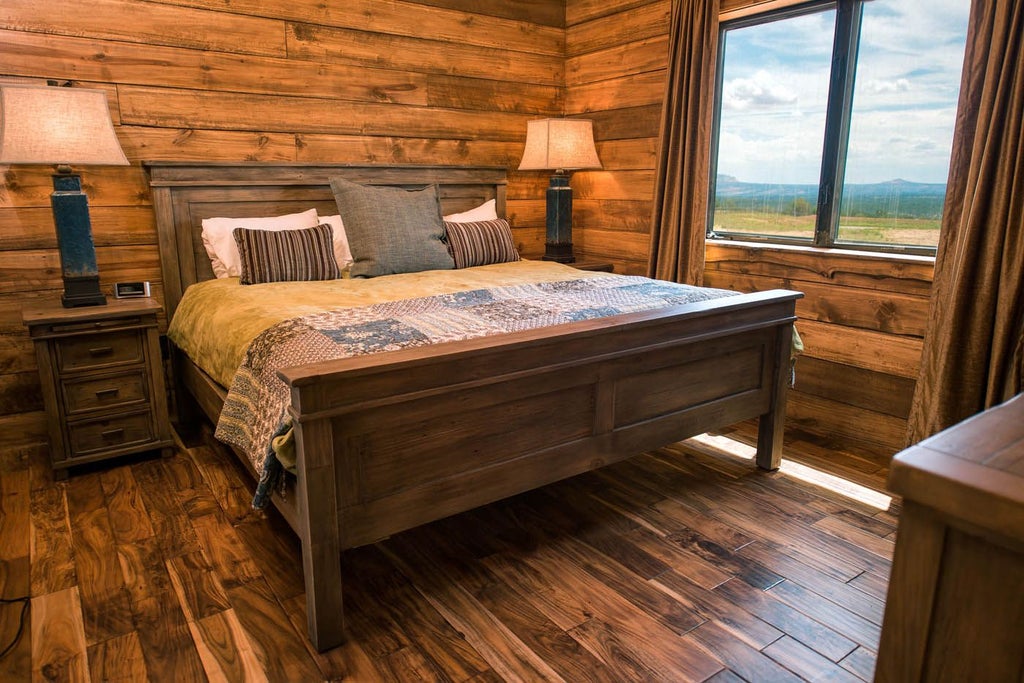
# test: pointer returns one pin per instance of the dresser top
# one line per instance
(973, 470)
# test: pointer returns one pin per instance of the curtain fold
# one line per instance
(973, 354)
(684, 154)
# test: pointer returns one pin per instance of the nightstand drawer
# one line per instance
(98, 350)
(103, 392)
(110, 434)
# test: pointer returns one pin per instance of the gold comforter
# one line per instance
(216, 320)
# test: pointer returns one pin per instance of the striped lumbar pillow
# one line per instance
(286, 255)
(479, 243)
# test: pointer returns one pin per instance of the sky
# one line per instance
(775, 85)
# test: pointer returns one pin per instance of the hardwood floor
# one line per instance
(684, 564)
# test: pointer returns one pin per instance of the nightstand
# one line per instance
(607, 267)
(102, 380)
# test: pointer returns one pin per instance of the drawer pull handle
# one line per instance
(108, 393)
(101, 351)
(113, 433)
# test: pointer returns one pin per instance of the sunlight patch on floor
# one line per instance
(844, 487)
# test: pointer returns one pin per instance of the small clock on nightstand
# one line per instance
(102, 379)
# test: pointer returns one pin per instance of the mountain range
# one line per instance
(892, 197)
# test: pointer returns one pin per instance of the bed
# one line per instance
(580, 395)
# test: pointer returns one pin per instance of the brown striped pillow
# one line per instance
(286, 255)
(479, 243)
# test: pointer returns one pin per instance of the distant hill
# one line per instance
(890, 198)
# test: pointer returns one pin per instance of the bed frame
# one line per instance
(390, 441)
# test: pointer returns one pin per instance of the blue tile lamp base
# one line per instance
(74, 242)
(558, 243)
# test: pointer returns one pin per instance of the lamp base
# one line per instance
(74, 241)
(558, 245)
(82, 291)
(562, 253)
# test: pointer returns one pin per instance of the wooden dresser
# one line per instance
(955, 608)
(102, 379)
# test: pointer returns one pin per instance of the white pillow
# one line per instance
(342, 254)
(220, 242)
(484, 212)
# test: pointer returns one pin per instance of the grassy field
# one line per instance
(912, 231)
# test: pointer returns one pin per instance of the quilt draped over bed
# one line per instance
(254, 417)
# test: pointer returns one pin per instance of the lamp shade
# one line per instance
(559, 144)
(54, 125)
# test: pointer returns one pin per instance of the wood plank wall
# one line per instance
(862, 318)
(417, 81)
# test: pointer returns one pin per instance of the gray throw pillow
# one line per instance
(391, 230)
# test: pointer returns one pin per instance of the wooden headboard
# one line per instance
(184, 193)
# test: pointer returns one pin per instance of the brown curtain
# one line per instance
(684, 154)
(974, 346)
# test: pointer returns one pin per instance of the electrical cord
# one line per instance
(21, 623)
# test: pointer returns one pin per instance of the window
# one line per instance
(834, 123)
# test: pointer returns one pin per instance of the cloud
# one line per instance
(891, 86)
(760, 91)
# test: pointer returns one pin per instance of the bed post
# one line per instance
(771, 425)
(316, 494)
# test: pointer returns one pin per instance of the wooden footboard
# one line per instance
(391, 441)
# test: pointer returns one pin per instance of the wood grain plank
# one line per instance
(861, 663)
(396, 617)
(200, 594)
(151, 23)
(406, 19)
(644, 21)
(835, 590)
(180, 108)
(171, 526)
(164, 636)
(356, 47)
(279, 651)
(846, 424)
(15, 512)
(823, 640)
(349, 661)
(53, 561)
(564, 653)
(105, 608)
(129, 520)
(228, 556)
(118, 659)
(860, 630)
(58, 637)
(14, 585)
(498, 645)
(225, 650)
(867, 308)
(911, 275)
(162, 66)
(745, 661)
(609, 611)
(805, 662)
(32, 227)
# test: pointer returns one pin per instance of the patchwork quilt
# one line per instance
(254, 417)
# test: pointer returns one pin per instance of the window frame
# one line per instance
(838, 116)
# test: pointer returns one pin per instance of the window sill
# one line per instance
(771, 247)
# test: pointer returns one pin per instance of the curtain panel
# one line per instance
(684, 154)
(973, 354)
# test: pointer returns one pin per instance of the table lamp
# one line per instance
(561, 145)
(63, 126)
